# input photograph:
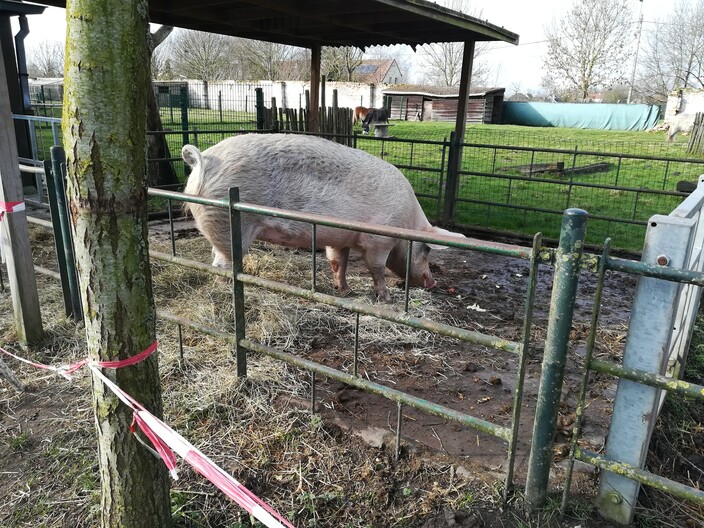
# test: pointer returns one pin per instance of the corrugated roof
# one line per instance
(306, 23)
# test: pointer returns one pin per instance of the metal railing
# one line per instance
(568, 259)
(534, 255)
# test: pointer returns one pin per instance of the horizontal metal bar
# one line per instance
(382, 312)
(658, 272)
(651, 379)
(406, 234)
(31, 169)
(571, 183)
(557, 212)
(48, 272)
(39, 222)
(376, 388)
(387, 314)
(572, 152)
(36, 118)
(188, 263)
(640, 475)
(369, 386)
(208, 330)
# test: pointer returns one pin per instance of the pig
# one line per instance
(313, 175)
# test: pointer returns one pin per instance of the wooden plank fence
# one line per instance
(333, 120)
(696, 138)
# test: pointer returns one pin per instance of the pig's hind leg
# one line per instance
(375, 260)
(338, 262)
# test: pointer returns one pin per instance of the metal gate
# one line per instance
(534, 255)
(664, 311)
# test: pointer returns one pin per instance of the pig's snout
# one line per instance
(428, 281)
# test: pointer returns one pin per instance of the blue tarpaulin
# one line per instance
(582, 115)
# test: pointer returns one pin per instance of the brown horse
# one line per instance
(360, 114)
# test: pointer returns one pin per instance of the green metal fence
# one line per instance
(534, 255)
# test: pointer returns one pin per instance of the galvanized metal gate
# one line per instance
(673, 266)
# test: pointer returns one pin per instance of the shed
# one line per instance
(439, 103)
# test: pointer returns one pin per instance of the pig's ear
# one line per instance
(443, 232)
(191, 155)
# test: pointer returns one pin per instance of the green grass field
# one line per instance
(496, 189)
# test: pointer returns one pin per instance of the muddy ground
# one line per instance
(484, 293)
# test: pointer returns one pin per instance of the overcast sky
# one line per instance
(511, 66)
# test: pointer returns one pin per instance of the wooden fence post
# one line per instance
(14, 230)
(696, 138)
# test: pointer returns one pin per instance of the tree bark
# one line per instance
(104, 125)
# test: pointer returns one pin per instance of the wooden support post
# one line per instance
(455, 159)
(314, 89)
(14, 231)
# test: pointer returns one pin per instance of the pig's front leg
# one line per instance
(376, 263)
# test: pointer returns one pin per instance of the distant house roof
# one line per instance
(373, 71)
(520, 97)
(438, 92)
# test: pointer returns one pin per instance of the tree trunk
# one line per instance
(696, 137)
(104, 124)
(159, 172)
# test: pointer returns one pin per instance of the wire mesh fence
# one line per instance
(511, 179)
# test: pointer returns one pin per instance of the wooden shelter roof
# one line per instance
(307, 23)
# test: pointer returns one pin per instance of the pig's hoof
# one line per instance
(384, 296)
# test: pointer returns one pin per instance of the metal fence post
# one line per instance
(58, 164)
(58, 236)
(452, 182)
(237, 285)
(260, 108)
(567, 267)
(184, 113)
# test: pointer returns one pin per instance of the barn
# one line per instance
(439, 103)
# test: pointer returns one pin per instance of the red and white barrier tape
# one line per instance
(10, 207)
(67, 370)
(166, 441)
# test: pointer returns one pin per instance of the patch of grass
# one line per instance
(19, 441)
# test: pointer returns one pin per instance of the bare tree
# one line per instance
(200, 55)
(442, 62)
(674, 52)
(588, 47)
(162, 66)
(339, 64)
(46, 59)
(266, 60)
(203, 56)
